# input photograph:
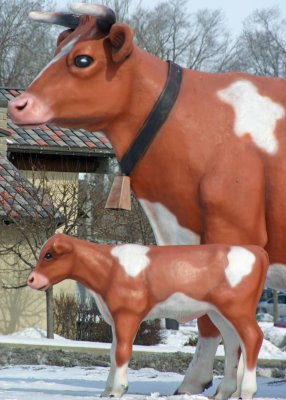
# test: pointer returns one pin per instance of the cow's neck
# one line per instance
(149, 75)
(95, 274)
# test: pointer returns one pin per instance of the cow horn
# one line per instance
(105, 16)
(58, 18)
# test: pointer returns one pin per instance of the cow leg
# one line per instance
(230, 337)
(126, 327)
(232, 196)
(240, 372)
(200, 372)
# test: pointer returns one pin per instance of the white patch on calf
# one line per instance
(103, 309)
(249, 383)
(240, 264)
(132, 257)
(165, 225)
(180, 307)
(120, 381)
(254, 114)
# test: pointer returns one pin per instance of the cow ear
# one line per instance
(62, 245)
(121, 37)
(63, 35)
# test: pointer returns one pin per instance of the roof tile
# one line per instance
(18, 197)
(52, 136)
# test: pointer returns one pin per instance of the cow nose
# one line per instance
(31, 279)
(27, 109)
(19, 104)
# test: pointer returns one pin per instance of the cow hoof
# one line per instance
(193, 388)
(118, 392)
(208, 385)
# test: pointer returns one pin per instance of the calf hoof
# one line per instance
(193, 388)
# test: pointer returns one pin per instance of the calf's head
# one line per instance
(85, 77)
(55, 263)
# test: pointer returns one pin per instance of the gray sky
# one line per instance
(235, 10)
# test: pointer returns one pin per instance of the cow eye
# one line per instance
(83, 61)
(48, 256)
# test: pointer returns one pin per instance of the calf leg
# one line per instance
(126, 327)
(199, 374)
(251, 340)
(110, 379)
(228, 384)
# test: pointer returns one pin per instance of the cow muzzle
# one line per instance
(27, 110)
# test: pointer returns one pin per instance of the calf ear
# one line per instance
(62, 245)
(121, 38)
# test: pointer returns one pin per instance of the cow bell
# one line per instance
(120, 194)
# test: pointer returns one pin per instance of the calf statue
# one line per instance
(205, 152)
(131, 283)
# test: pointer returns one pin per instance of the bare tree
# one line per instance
(25, 47)
(72, 207)
(122, 8)
(261, 48)
(211, 47)
(169, 31)
(111, 226)
(51, 206)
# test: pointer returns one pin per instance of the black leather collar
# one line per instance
(154, 121)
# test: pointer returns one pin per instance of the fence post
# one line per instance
(50, 313)
(275, 306)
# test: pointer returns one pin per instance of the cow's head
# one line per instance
(56, 263)
(85, 76)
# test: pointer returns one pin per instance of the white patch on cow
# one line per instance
(165, 225)
(276, 276)
(200, 370)
(240, 264)
(132, 257)
(231, 342)
(239, 376)
(64, 51)
(180, 307)
(254, 114)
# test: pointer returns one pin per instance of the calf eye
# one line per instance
(48, 256)
(83, 61)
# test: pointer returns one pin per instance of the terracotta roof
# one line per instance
(20, 199)
(49, 137)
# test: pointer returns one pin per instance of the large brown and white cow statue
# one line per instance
(132, 283)
(214, 172)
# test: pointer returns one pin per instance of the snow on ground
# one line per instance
(174, 341)
(33, 333)
(61, 383)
